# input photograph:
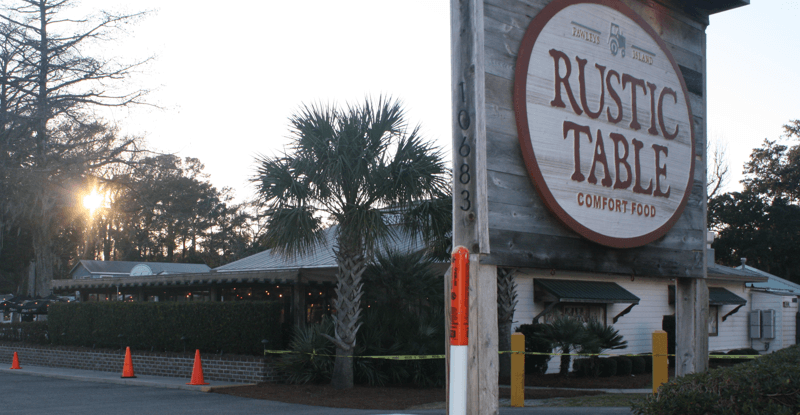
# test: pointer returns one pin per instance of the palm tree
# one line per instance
(359, 168)
(600, 339)
(566, 332)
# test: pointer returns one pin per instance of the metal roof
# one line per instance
(773, 283)
(721, 272)
(587, 291)
(125, 267)
(321, 256)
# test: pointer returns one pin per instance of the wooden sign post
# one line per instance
(470, 206)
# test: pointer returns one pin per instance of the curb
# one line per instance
(139, 381)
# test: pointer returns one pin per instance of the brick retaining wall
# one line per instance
(227, 368)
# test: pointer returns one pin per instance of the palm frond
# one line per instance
(293, 230)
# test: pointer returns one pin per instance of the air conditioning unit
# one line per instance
(755, 324)
(768, 324)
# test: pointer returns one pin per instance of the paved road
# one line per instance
(24, 394)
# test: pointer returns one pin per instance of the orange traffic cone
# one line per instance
(197, 372)
(15, 362)
(127, 368)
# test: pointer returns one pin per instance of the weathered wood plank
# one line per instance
(483, 360)
(526, 250)
(528, 9)
(504, 155)
(691, 331)
(518, 190)
(470, 215)
(538, 220)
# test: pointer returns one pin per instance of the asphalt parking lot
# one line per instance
(25, 393)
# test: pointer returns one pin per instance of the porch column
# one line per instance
(299, 304)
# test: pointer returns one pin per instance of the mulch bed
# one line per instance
(397, 398)
(359, 397)
(368, 397)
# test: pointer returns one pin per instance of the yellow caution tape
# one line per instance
(417, 357)
(441, 356)
(397, 357)
(725, 356)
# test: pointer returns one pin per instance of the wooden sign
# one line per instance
(546, 72)
(604, 122)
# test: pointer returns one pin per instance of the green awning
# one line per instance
(721, 296)
(571, 291)
(716, 296)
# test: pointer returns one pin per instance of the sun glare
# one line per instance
(92, 201)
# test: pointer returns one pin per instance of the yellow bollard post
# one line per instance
(660, 363)
(517, 370)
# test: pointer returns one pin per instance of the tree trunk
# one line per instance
(348, 311)
(343, 369)
(506, 305)
(565, 359)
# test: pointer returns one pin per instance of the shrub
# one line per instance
(31, 332)
(648, 362)
(624, 365)
(228, 327)
(638, 365)
(535, 342)
(587, 367)
(581, 366)
(607, 367)
(766, 385)
(313, 360)
(386, 332)
(748, 351)
(403, 314)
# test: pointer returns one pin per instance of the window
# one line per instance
(581, 311)
(713, 320)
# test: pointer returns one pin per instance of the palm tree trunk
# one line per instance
(565, 359)
(348, 311)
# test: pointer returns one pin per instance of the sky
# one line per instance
(226, 79)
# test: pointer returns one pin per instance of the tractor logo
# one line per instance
(616, 42)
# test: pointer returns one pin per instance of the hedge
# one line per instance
(624, 365)
(638, 365)
(767, 385)
(607, 367)
(226, 327)
(29, 332)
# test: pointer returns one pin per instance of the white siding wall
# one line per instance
(789, 325)
(789, 328)
(733, 332)
(637, 326)
(766, 301)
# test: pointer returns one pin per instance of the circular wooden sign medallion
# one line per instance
(604, 122)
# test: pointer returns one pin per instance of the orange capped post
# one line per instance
(127, 367)
(15, 362)
(459, 329)
(459, 298)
